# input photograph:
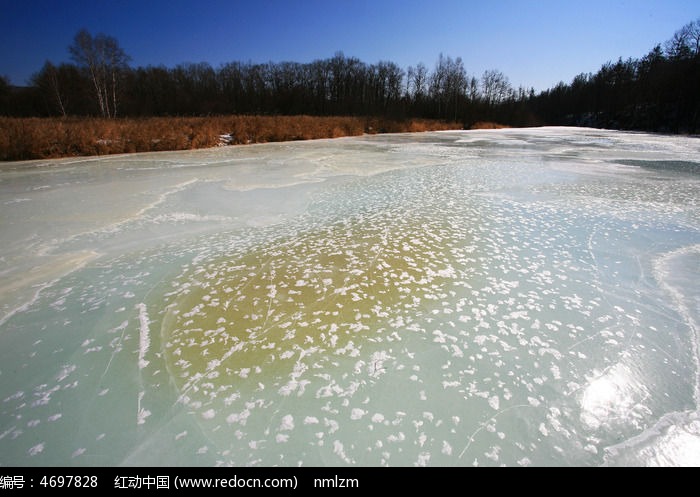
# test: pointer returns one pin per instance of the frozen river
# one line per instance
(507, 297)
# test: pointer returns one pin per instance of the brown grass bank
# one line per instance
(488, 125)
(48, 138)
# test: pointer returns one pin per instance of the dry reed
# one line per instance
(46, 138)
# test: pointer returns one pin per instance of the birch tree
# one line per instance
(104, 60)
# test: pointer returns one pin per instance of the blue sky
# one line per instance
(535, 42)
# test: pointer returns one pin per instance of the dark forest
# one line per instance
(658, 92)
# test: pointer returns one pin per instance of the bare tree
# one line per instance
(104, 60)
(694, 36)
(417, 81)
(48, 81)
(473, 89)
(685, 42)
(448, 85)
(495, 87)
(63, 88)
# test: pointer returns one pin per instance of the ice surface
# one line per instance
(517, 297)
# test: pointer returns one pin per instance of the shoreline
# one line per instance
(26, 139)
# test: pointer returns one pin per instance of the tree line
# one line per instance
(657, 92)
(100, 82)
(660, 91)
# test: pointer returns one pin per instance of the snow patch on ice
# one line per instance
(144, 335)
